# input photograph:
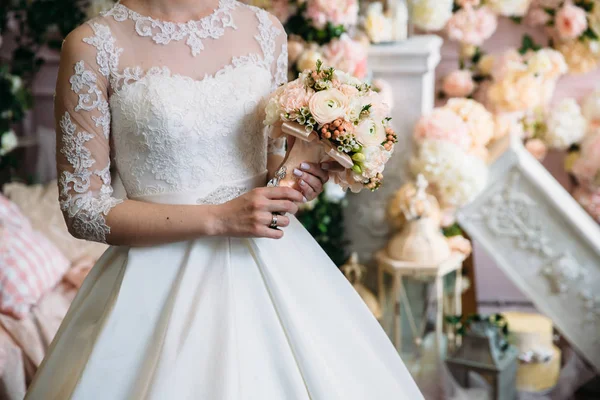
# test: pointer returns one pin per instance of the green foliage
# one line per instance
(298, 25)
(497, 320)
(325, 222)
(453, 230)
(528, 44)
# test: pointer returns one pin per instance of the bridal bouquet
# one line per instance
(330, 115)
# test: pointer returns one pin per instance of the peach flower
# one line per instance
(443, 124)
(295, 97)
(459, 83)
(472, 26)
(460, 244)
(347, 55)
(537, 16)
(537, 148)
(517, 91)
(295, 49)
(479, 121)
(580, 56)
(589, 200)
(587, 167)
(571, 21)
(468, 3)
(510, 60)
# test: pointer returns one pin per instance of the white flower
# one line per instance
(333, 192)
(548, 63)
(16, 83)
(8, 142)
(566, 125)
(591, 105)
(375, 159)
(328, 105)
(510, 8)
(345, 78)
(308, 59)
(431, 15)
(456, 176)
(377, 26)
(370, 132)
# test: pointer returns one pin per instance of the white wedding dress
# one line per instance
(176, 107)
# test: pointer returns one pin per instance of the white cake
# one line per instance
(532, 335)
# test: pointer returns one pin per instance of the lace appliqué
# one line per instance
(107, 54)
(85, 211)
(222, 195)
(163, 32)
(92, 98)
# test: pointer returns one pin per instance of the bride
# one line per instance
(195, 299)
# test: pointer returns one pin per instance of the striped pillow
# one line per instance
(30, 265)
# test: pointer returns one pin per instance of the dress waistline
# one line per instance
(219, 195)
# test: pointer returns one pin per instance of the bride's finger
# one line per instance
(310, 192)
(282, 207)
(283, 193)
(314, 170)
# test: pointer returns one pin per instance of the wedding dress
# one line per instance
(177, 108)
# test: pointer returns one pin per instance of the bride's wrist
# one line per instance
(211, 221)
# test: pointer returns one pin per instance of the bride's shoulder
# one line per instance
(262, 15)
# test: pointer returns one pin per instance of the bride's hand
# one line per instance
(251, 214)
(312, 177)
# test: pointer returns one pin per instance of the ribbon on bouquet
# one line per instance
(299, 132)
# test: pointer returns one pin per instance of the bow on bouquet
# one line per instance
(330, 115)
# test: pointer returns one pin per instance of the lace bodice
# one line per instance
(176, 106)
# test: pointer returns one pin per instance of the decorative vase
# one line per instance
(420, 241)
(303, 146)
(354, 272)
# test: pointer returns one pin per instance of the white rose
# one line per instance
(375, 159)
(333, 192)
(566, 125)
(308, 60)
(431, 15)
(8, 143)
(16, 83)
(328, 105)
(377, 26)
(370, 132)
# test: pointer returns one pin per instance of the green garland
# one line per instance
(298, 25)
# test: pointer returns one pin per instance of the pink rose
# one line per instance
(443, 124)
(472, 26)
(537, 17)
(337, 12)
(537, 148)
(347, 55)
(459, 83)
(571, 21)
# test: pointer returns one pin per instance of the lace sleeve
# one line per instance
(280, 76)
(83, 127)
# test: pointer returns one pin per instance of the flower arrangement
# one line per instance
(347, 118)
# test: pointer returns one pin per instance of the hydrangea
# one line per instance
(456, 176)
(565, 125)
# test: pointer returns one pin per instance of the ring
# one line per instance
(273, 221)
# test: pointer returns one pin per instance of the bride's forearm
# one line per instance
(136, 223)
(274, 161)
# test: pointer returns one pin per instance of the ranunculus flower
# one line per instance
(537, 148)
(443, 124)
(328, 105)
(370, 132)
(459, 83)
(431, 15)
(472, 26)
(571, 21)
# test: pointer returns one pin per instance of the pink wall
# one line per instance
(492, 284)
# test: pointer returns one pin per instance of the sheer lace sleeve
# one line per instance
(280, 76)
(83, 128)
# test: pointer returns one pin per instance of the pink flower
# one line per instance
(337, 12)
(347, 55)
(460, 244)
(537, 148)
(472, 26)
(589, 200)
(537, 17)
(587, 167)
(459, 83)
(508, 61)
(443, 124)
(571, 21)
(294, 97)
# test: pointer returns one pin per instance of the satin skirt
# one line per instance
(221, 319)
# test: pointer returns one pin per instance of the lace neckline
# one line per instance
(211, 26)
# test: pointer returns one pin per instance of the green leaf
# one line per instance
(516, 20)
(550, 11)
